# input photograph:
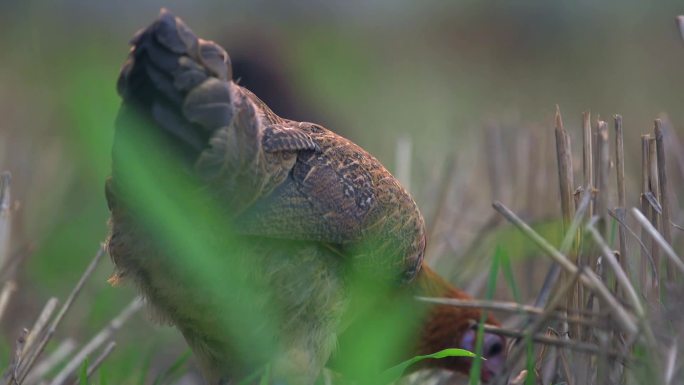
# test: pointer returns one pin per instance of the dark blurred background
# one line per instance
(428, 79)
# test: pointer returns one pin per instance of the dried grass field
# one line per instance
(544, 145)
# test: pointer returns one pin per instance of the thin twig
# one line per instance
(644, 249)
(645, 189)
(571, 233)
(570, 344)
(549, 283)
(566, 244)
(510, 307)
(546, 359)
(10, 375)
(5, 216)
(655, 190)
(566, 367)
(565, 177)
(99, 360)
(63, 350)
(653, 202)
(620, 168)
(676, 226)
(97, 341)
(626, 347)
(670, 363)
(602, 170)
(588, 164)
(530, 329)
(7, 289)
(658, 238)
(664, 195)
(65, 307)
(677, 150)
(5, 236)
(28, 340)
(587, 277)
(602, 339)
(553, 305)
(39, 326)
(620, 274)
(567, 186)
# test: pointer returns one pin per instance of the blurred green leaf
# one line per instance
(252, 377)
(266, 377)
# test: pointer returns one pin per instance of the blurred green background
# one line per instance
(378, 72)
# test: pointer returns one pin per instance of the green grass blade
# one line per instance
(103, 376)
(507, 270)
(142, 380)
(83, 374)
(475, 369)
(174, 370)
(394, 373)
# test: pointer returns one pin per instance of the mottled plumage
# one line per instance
(307, 206)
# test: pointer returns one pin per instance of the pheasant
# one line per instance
(291, 216)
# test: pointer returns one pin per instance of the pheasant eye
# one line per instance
(494, 349)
